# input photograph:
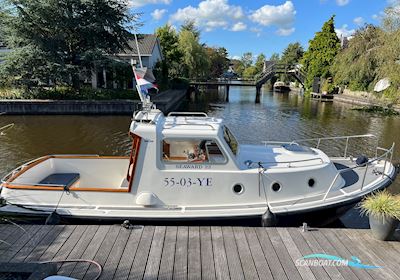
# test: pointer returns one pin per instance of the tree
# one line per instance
(190, 25)
(356, 66)
(219, 61)
(249, 72)
(66, 36)
(389, 53)
(274, 57)
(247, 59)
(321, 53)
(195, 59)
(260, 63)
(169, 42)
(237, 66)
(292, 54)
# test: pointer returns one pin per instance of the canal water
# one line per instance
(279, 116)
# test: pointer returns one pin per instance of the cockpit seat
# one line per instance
(61, 179)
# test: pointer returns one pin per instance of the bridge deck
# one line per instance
(170, 252)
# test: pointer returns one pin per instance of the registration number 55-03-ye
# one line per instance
(187, 182)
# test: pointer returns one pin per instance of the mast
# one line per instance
(138, 50)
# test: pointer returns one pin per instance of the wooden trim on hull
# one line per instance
(131, 169)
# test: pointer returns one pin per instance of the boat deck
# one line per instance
(169, 252)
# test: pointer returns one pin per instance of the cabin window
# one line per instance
(231, 140)
(192, 151)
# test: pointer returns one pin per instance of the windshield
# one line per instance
(231, 140)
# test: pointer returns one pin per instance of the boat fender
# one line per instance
(361, 160)
(268, 219)
(53, 219)
(146, 199)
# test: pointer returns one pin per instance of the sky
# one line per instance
(259, 26)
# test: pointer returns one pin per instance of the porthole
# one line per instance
(311, 183)
(238, 189)
(276, 187)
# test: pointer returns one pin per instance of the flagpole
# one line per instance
(138, 50)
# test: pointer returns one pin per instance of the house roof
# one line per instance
(147, 43)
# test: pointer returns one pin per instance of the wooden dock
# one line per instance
(169, 252)
(322, 97)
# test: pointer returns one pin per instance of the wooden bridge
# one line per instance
(270, 70)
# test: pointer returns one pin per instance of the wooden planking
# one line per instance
(294, 252)
(283, 254)
(77, 252)
(220, 259)
(115, 255)
(232, 254)
(44, 244)
(379, 248)
(330, 250)
(80, 269)
(128, 256)
(315, 247)
(319, 272)
(194, 255)
(31, 244)
(19, 242)
(165, 252)
(55, 246)
(168, 255)
(103, 252)
(207, 257)
(181, 254)
(275, 265)
(154, 258)
(249, 269)
(139, 263)
(345, 253)
(366, 255)
(263, 269)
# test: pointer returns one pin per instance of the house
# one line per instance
(150, 52)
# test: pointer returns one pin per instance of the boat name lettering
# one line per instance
(193, 166)
(187, 182)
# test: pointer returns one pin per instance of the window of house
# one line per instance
(192, 151)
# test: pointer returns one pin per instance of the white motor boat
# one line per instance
(190, 166)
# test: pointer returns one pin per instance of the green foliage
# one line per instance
(195, 60)
(237, 66)
(321, 53)
(356, 66)
(260, 63)
(275, 57)
(381, 205)
(292, 54)
(190, 25)
(247, 59)
(67, 93)
(55, 40)
(219, 61)
(169, 42)
(250, 72)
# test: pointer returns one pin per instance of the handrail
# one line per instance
(285, 162)
(319, 140)
(172, 114)
(366, 165)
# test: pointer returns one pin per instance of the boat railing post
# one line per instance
(331, 186)
(365, 175)
(347, 145)
(319, 142)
